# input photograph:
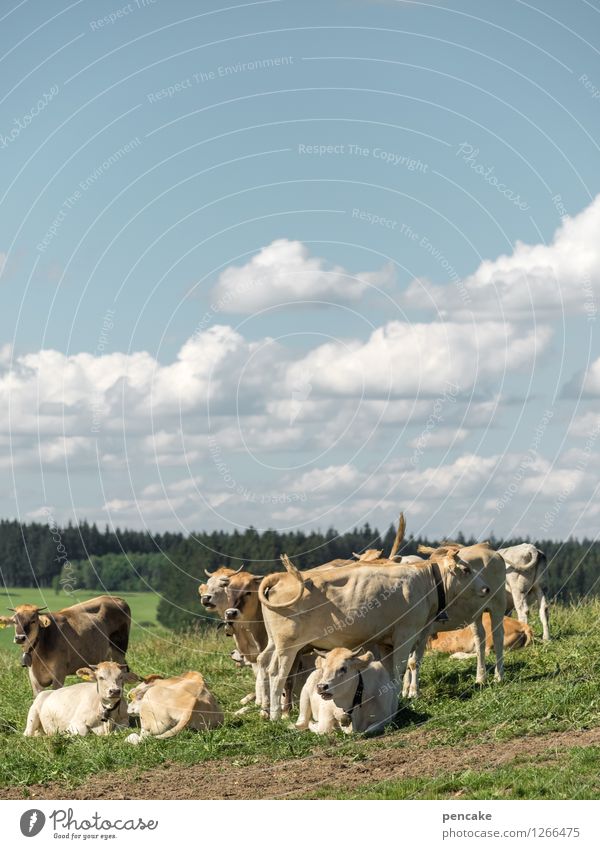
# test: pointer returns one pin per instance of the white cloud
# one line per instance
(409, 360)
(563, 275)
(284, 272)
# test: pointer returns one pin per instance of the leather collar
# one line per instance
(441, 615)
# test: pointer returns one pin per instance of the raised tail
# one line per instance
(271, 580)
(399, 536)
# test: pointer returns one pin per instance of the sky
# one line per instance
(301, 265)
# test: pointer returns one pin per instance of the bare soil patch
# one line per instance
(372, 761)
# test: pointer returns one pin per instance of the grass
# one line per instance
(548, 687)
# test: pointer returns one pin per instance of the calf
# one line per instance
(349, 690)
(167, 706)
(97, 707)
(56, 644)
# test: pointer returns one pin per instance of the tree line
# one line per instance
(85, 557)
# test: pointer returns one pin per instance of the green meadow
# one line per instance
(549, 688)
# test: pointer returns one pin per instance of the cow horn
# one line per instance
(359, 650)
(42, 608)
(208, 574)
(239, 570)
(399, 536)
(320, 652)
(12, 608)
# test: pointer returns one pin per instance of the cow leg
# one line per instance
(544, 611)
(497, 617)
(521, 606)
(414, 664)
(279, 670)
(407, 683)
(35, 684)
(479, 638)
(263, 680)
(400, 656)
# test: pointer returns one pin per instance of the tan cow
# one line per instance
(57, 644)
(97, 707)
(461, 643)
(349, 690)
(525, 573)
(167, 706)
(482, 560)
(355, 605)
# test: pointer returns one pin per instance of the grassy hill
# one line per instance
(550, 689)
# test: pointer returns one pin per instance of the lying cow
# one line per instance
(97, 707)
(525, 570)
(379, 602)
(57, 644)
(461, 643)
(167, 706)
(349, 690)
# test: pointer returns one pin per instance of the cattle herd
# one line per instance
(343, 640)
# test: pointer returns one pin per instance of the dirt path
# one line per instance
(295, 778)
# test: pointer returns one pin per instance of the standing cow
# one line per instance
(58, 644)
(525, 570)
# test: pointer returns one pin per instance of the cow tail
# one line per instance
(185, 718)
(399, 537)
(271, 580)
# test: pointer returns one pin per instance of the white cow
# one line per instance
(525, 568)
(349, 690)
(97, 707)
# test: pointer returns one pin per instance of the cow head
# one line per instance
(212, 593)
(136, 695)
(28, 620)
(462, 577)
(110, 678)
(339, 672)
(242, 598)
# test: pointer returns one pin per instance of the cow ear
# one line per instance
(131, 677)
(363, 660)
(44, 620)
(6, 621)
(86, 673)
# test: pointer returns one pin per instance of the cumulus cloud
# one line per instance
(409, 360)
(563, 275)
(586, 383)
(284, 272)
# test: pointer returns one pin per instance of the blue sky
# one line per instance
(301, 264)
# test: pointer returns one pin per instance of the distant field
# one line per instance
(143, 607)
(535, 736)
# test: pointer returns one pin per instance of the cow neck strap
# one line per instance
(441, 615)
(358, 695)
(106, 711)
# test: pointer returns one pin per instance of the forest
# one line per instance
(172, 564)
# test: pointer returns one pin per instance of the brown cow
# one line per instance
(58, 644)
(461, 643)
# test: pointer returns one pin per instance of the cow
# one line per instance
(97, 707)
(481, 559)
(347, 606)
(461, 643)
(349, 690)
(57, 644)
(525, 570)
(167, 706)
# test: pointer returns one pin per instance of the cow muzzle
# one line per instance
(20, 639)
(324, 692)
(485, 591)
(206, 601)
(231, 613)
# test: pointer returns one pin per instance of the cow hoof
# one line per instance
(134, 739)
(264, 714)
(243, 710)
